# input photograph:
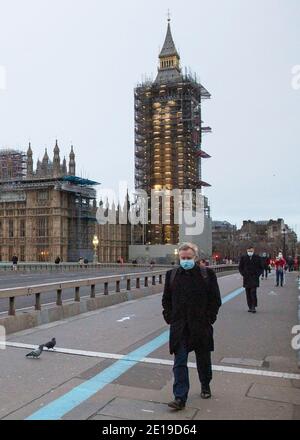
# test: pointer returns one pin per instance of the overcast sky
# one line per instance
(68, 69)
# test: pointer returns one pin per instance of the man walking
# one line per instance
(251, 268)
(190, 305)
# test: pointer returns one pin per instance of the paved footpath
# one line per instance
(114, 363)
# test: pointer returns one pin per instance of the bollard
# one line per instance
(137, 283)
(160, 279)
(106, 288)
(153, 280)
(12, 309)
(118, 286)
(59, 297)
(146, 281)
(93, 291)
(77, 293)
(128, 284)
(37, 301)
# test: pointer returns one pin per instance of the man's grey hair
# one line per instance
(187, 246)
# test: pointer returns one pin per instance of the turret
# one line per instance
(29, 162)
(72, 164)
(45, 164)
(56, 161)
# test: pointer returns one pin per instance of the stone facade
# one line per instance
(114, 237)
(48, 212)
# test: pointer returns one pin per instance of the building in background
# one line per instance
(45, 212)
(268, 236)
(168, 147)
(12, 164)
(114, 237)
(224, 238)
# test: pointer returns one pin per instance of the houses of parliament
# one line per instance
(49, 212)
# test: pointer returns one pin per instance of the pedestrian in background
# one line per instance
(290, 263)
(190, 306)
(15, 260)
(280, 264)
(251, 268)
(265, 263)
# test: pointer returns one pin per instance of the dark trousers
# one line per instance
(181, 384)
(279, 277)
(251, 297)
(265, 272)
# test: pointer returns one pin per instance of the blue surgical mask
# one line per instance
(187, 264)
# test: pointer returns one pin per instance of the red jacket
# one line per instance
(280, 263)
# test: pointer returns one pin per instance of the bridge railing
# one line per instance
(64, 267)
(131, 280)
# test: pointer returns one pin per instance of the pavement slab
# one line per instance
(275, 393)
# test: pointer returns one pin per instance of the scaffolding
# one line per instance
(13, 164)
(168, 142)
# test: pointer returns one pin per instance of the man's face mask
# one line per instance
(187, 264)
(250, 253)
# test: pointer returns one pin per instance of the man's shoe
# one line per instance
(250, 311)
(253, 310)
(177, 404)
(205, 392)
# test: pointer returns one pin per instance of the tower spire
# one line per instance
(72, 164)
(169, 48)
(169, 59)
(56, 161)
(29, 161)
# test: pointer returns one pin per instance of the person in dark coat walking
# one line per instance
(191, 301)
(14, 260)
(251, 268)
(265, 261)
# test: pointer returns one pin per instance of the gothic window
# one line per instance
(42, 227)
(10, 228)
(22, 253)
(42, 195)
(22, 228)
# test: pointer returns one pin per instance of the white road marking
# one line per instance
(148, 360)
(126, 318)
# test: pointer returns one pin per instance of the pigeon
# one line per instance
(36, 353)
(50, 344)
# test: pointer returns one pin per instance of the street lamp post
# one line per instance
(95, 244)
(176, 255)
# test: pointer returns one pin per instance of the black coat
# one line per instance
(251, 269)
(192, 302)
